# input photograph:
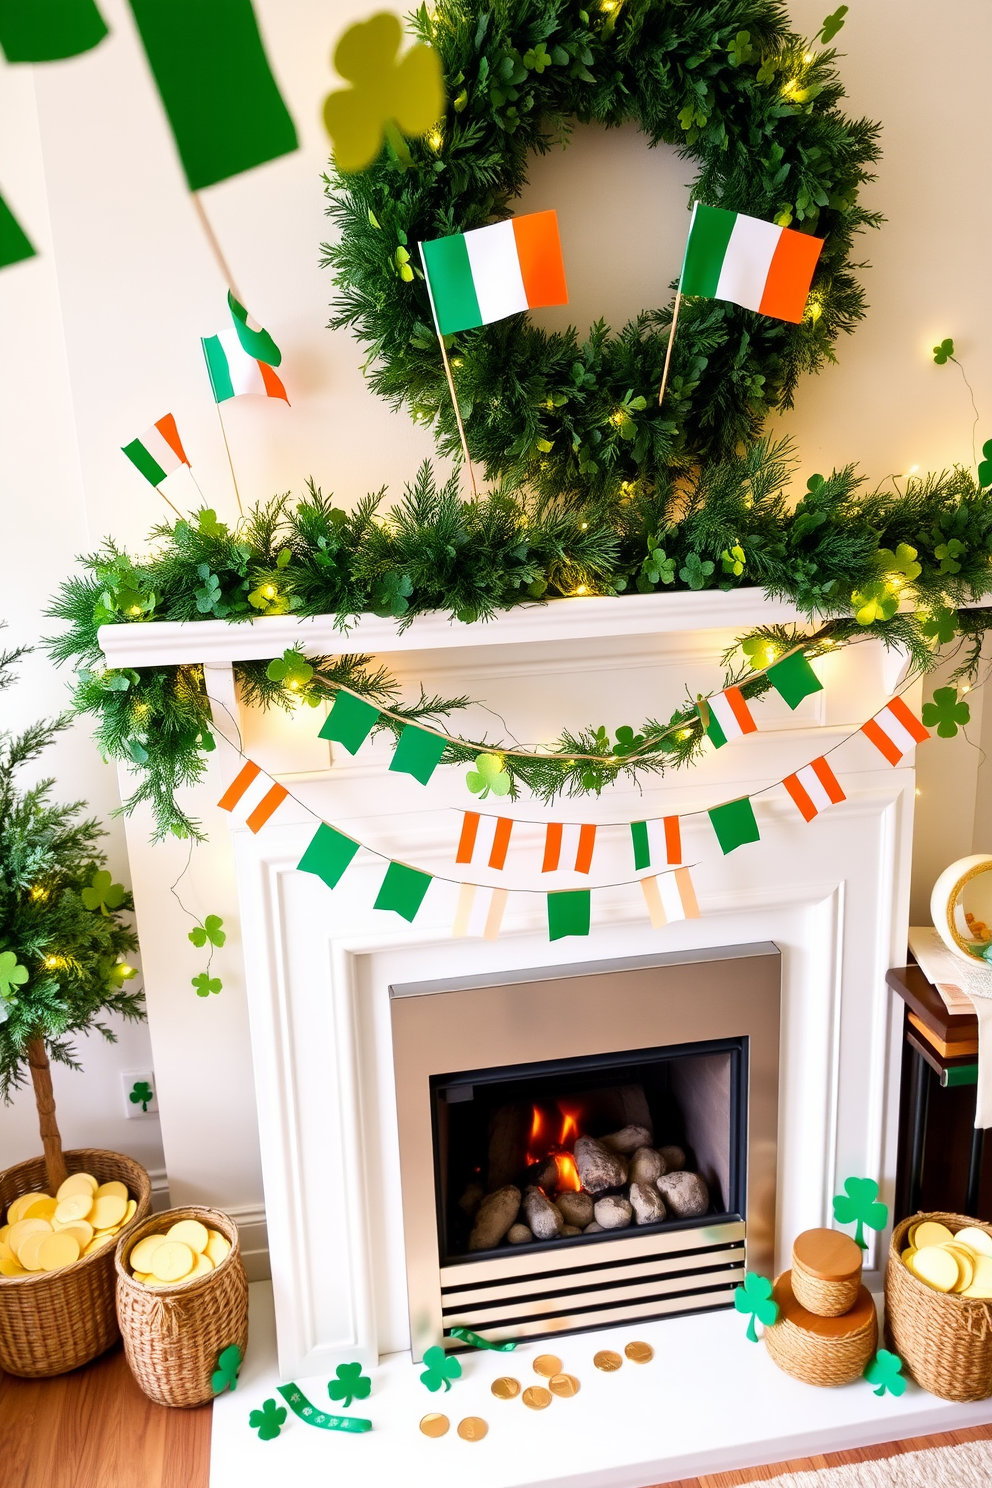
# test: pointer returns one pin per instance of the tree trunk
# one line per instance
(41, 1078)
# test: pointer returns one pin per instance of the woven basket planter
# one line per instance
(173, 1335)
(821, 1350)
(56, 1320)
(944, 1340)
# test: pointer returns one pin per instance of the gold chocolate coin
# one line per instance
(506, 1388)
(607, 1360)
(473, 1428)
(435, 1424)
(563, 1384)
(639, 1353)
(547, 1364)
(536, 1397)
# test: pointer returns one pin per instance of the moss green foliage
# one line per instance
(64, 929)
(756, 111)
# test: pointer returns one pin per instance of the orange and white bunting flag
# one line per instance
(568, 847)
(895, 731)
(253, 796)
(813, 788)
(479, 911)
(670, 896)
(484, 839)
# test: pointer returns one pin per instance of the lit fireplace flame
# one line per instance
(540, 1146)
(568, 1173)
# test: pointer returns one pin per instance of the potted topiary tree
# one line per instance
(64, 937)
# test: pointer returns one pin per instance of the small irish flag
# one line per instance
(479, 911)
(480, 276)
(753, 263)
(486, 839)
(656, 842)
(157, 452)
(233, 372)
(895, 731)
(729, 717)
(568, 846)
(252, 796)
(670, 896)
(813, 788)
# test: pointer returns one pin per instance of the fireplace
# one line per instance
(558, 1178)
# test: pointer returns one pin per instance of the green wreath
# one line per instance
(739, 94)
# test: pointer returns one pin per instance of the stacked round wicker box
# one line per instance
(174, 1335)
(943, 1339)
(827, 1328)
(56, 1320)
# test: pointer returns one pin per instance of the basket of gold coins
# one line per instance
(182, 1302)
(938, 1303)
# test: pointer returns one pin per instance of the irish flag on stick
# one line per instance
(233, 372)
(158, 451)
(477, 277)
(752, 263)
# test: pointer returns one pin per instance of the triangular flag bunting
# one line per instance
(568, 913)
(814, 787)
(158, 451)
(895, 731)
(671, 896)
(403, 890)
(350, 721)
(480, 911)
(734, 824)
(418, 753)
(255, 340)
(729, 717)
(794, 679)
(484, 839)
(253, 796)
(656, 843)
(49, 30)
(233, 373)
(569, 847)
(329, 854)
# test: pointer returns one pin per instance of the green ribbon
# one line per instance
(300, 1406)
(477, 1341)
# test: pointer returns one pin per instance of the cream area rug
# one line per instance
(967, 1466)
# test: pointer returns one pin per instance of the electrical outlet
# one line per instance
(140, 1095)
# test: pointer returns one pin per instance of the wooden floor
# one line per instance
(95, 1429)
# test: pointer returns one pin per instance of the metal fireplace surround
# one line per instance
(730, 995)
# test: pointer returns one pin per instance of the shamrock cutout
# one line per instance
(208, 525)
(696, 571)
(832, 24)
(944, 352)
(205, 984)
(103, 894)
(12, 975)
(209, 930)
(858, 1205)
(489, 775)
(884, 1371)
(386, 97)
(391, 595)
(440, 1369)
(755, 1297)
(949, 551)
(940, 625)
(268, 1421)
(946, 712)
(876, 601)
(225, 1376)
(733, 561)
(351, 1384)
(627, 741)
(291, 668)
(985, 466)
(657, 568)
(140, 1094)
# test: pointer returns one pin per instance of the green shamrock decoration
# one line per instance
(225, 1376)
(755, 1297)
(205, 984)
(210, 931)
(291, 669)
(391, 595)
(388, 98)
(857, 1205)
(876, 601)
(733, 561)
(944, 352)
(440, 1369)
(940, 625)
(884, 1371)
(12, 974)
(351, 1384)
(657, 568)
(627, 741)
(103, 894)
(208, 525)
(946, 712)
(141, 1093)
(832, 24)
(268, 1421)
(696, 571)
(949, 551)
(985, 466)
(489, 775)
(902, 563)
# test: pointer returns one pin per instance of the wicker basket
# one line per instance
(944, 1340)
(173, 1335)
(819, 1350)
(56, 1320)
(826, 1272)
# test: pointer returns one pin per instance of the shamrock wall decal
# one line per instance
(12, 975)
(268, 1421)
(885, 1372)
(351, 1384)
(832, 24)
(140, 1094)
(389, 97)
(945, 712)
(939, 625)
(225, 1376)
(489, 775)
(441, 1369)
(857, 1205)
(985, 466)
(205, 984)
(210, 931)
(103, 894)
(944, 352)
(755, 1297)
(291, 668)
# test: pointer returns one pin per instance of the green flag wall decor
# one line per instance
(794, 679)
(350, 721)
(329, 855)
(568, 913)
(418, 753)
(734, 824)
(403, 890)
(225, 109)
(14, 242)
(49, 30)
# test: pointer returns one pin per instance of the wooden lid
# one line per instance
(827, 1254)
(822, 1327)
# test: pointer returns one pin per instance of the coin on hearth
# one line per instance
(563, 1384)
(547, 1364)
(435, 1424)
(506, 1387)
(536, 1397)
(473, 1428)
(639, 1353)
(607, 1360)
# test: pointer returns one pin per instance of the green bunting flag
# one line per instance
(14, 242)
(403, 890)
(48, 30)
(568, 913)
(255, 340)
(418, 753)
(734, 824)
(642, 848)
(222, 101)
(328, 855)
(794, 678)
(350, 721)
